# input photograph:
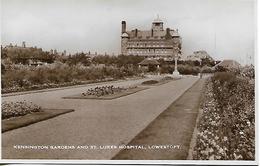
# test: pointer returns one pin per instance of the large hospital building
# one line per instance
(154, 43)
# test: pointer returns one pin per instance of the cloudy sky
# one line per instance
(223, 28)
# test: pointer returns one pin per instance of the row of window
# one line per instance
(149, 45)
(149, 51)
(150, 37)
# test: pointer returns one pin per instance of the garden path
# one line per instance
(173, 128)
(94, 122)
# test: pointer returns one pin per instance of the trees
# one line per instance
(23, 55)
(105, 59)
(207, 61)
(119, 61)
(78, 58)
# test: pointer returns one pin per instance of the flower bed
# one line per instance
(103, 90)
(14, 109)
(226, 130)
(167, 78)
(106, 92)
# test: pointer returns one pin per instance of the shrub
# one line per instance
(223, 77)
(183, 69)
(166, 69)
(207, 69)
(248, 72)
(60, 74)
(188, 70)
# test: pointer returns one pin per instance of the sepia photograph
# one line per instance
(120, 81)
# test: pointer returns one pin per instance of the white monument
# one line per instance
(176, 73)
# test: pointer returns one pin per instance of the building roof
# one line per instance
(149, 62)
(147, 34)
(229, 64)
(150, 34)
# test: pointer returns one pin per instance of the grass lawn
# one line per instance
(157, 82)
(22, 121)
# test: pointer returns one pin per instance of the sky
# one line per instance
(226, 29)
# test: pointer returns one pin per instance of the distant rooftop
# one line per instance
(149, 62)
(228, 63)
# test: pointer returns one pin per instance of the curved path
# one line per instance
(94, 122)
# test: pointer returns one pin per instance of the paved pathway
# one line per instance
(94, 122)
(168, 136)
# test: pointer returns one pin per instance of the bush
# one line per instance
(206, 69)
(166, 69)
(188, 70)
(183, 69)
(60, 74)
(223, 77)
(248, 71)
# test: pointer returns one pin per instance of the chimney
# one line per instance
(123, 26)
(168, 34)
(23, 44)
(136, 32)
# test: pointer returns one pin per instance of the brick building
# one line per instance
(155, 43)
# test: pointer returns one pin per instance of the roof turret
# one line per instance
(157, 20)
(124, 35)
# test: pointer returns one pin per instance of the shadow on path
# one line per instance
(168, 136)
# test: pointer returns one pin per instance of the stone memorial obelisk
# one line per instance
(176, 73)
